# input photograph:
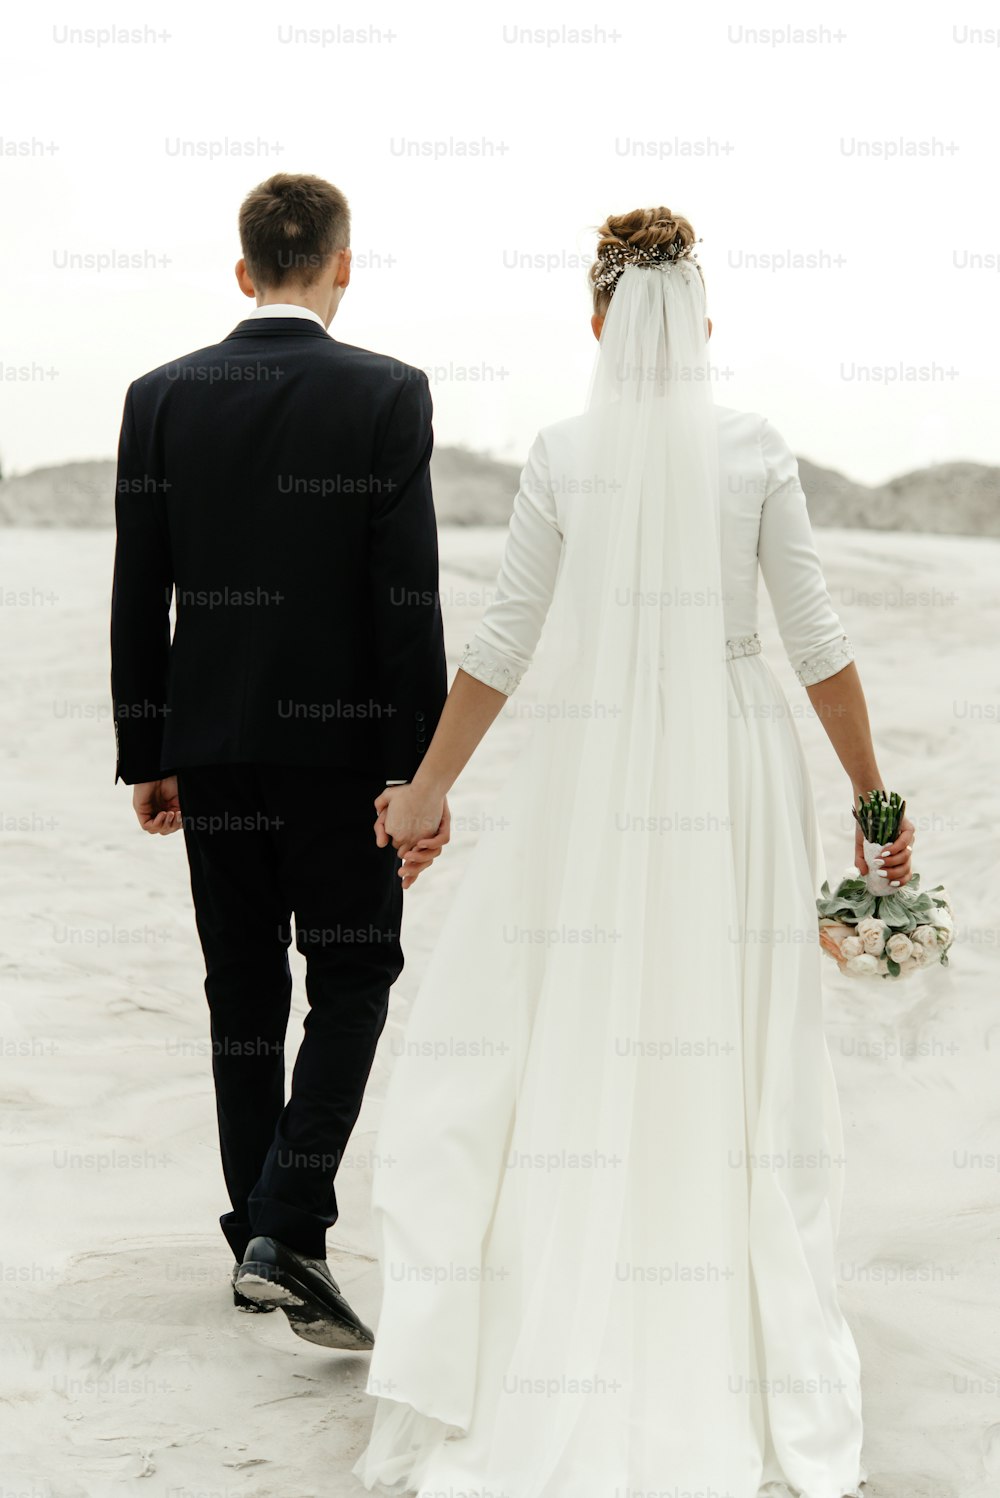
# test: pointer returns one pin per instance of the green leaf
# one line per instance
(894, 912)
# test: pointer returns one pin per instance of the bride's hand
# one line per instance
(422, 854)
(896, 865)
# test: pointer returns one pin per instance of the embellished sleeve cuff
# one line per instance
(490, 667)
(826, 661)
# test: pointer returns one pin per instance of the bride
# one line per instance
(611, 1155)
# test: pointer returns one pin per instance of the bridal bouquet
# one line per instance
(872, 930)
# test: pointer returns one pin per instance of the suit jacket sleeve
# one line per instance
(810, 627)
(140, 608)
(403, 560)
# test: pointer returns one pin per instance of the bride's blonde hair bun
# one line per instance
(646, 236)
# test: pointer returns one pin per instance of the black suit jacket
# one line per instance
(277, 486)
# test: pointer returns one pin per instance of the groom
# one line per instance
(276, 486)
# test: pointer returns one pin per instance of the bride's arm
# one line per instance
(470, 710)
(817, 647)
(492, 665)
(841, 708)
(840, 705)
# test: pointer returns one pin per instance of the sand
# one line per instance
(125, 1368)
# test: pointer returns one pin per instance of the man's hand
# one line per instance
(417, 825)
(156, 804)
(896, 864)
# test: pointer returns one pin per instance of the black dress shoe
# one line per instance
(305, 1290)
(244, 1303)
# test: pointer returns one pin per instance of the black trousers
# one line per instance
(266, 843)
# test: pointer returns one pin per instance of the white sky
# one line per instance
(786, 340)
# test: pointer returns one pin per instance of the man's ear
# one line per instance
(243, 279)
(344, 270)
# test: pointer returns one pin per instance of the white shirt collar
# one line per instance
(285, 309)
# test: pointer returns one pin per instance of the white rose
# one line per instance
(862, 965)
(926, 955)
(851, 946)
(899, 947)
(872, 933)
(926, 935)
(942, 918)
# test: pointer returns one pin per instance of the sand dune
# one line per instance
(470, 488)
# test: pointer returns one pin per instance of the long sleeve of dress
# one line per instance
(810, 628)
(502, 648)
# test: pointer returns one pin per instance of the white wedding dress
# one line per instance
(611, 1156)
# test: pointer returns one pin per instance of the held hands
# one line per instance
(896, 864)
(156, 805)
(416, 823)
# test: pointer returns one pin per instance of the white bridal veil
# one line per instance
(595, 939)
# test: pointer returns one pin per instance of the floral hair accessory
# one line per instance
(615, 258)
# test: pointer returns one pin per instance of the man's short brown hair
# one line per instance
(290, 225)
